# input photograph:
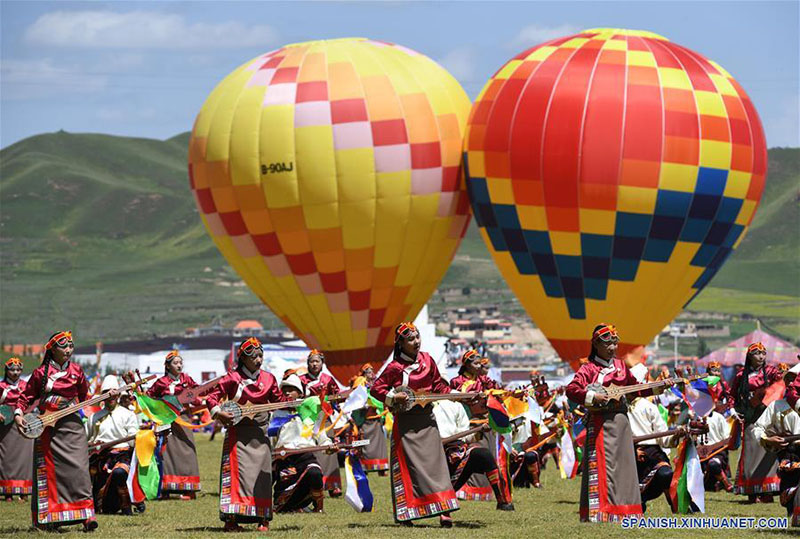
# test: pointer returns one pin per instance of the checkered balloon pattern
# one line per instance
(328, 174)
(611, 173)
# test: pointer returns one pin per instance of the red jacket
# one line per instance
(63, 387)
(422, 375)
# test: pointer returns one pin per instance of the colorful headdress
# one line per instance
(13, 362)
(171, 355)
(364, 368)
(249, 346)
(315, 352)
(404, 330)
(469, 354)
(60, 339)
(713, 365)
(756, 347)
(605, 333)
(783, 367)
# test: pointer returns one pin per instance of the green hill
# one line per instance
(100, 234)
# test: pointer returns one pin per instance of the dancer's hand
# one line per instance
(20, 422)
(225, 418)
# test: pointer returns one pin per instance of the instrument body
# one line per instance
(705, 452)
(189, 395)
(422, 398)
(36, 423)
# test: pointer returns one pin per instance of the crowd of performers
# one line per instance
(437, 440)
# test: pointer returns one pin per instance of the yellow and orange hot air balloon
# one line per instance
(611, 174)
(328, 174)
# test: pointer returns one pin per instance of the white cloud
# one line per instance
(32, 79)
(536, 33)
(141, 30)
(460, 62)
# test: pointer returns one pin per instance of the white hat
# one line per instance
(109, 382)
(794, 370)
(293, 381)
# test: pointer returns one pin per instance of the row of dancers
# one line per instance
(436, 453)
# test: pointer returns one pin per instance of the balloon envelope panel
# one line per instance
(328, 173)
(611, 174)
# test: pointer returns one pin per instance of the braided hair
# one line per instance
(48, 358)
(593, 351)
(742, 402)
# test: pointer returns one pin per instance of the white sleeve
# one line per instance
(589, 398)
(763, 423)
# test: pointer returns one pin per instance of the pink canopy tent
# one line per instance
(778, 350)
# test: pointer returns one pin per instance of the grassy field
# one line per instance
(550, 512)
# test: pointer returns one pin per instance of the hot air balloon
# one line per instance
(611, 173)
(328, 173)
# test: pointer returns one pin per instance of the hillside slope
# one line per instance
(100, 233)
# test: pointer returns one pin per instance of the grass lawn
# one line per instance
(549, 512)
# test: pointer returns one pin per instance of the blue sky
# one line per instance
(144, 68)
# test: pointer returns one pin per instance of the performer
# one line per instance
(466, 457)
(16, 451)
(319, 383)
(652, 463)
(525, 460)
(298, 478)
(609, 483)
(488, 382)
(375, 456)
(716, 470)
(715, 369)
(421, 486)
(757, 472)
(471, 378)
(778, 421)
(110, 467)
(546, 400)
(62, 489)
(246, 467)
(181, 473)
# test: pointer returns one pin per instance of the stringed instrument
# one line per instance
(8, 411)
(239, 412)
(706, 452)
(484, 427)
(615, 393)
(281, 453)
(188, 395)
(533, 446)
(36, 423)
(695, 428)
(423, 398)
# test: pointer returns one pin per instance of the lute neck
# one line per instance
(652, 385)
(269, 406)
(458, 435)
(58, 414)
